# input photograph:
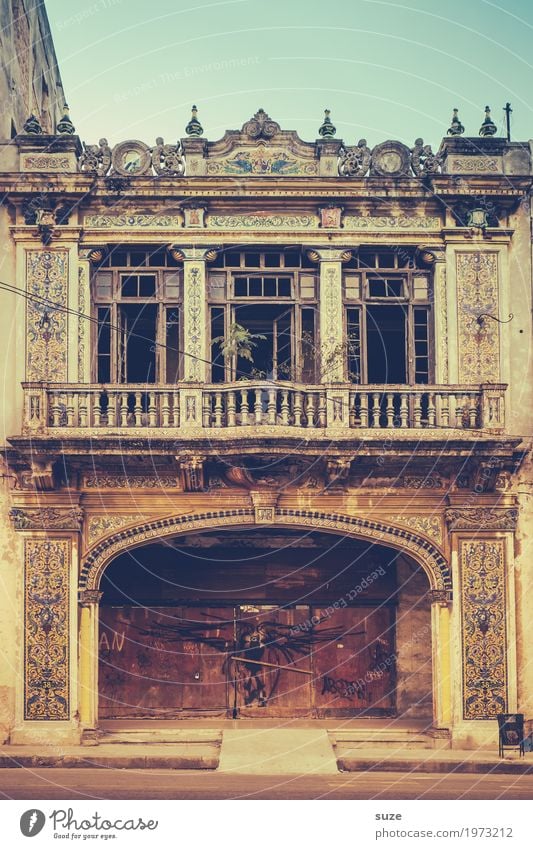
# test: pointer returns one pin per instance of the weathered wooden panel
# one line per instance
(256, 660)
(354, 667)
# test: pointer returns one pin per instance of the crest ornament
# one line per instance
(96, 158)
(391, 159)
(194, 128)
(167, 159)
(355, 161)
(261, 126)
(423, 160)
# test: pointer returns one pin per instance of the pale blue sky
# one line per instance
(386, 69)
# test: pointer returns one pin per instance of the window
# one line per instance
(263, 313)
(137, 296)
(388, 319)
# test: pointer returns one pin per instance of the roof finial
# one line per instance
(32, 126)
(194, 128)
(327, 130)
(488, 127)
(65, 127)
(456, 128)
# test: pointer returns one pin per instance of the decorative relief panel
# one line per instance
(262, 220)
(45, 162)
(264, 161)
(482, 566)
(46, 629)
(100, 526)
(477, 293)
(475, 165)
(392, 222)
(194, 315)
(46, 319)
(134, 219)
(82, 322)
(45, 518)
(105, 481)
(440, 283)
(332, 360)
(481, 518)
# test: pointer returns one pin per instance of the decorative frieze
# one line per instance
(262, 221)
(477, 294)
(482, 518)
(158, 220)
(46, 518)
(46, 317)
(263, 161)
(46, 629)
(107, 481)
(475, 165)
(379, 223)
(56, 162)
(482, 568)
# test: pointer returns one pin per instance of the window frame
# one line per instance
(407, 300)
(230, 301)
(114, 302)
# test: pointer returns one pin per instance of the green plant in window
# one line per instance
(239, 343)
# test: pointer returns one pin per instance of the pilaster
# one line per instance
(195, 313)
(331, 314)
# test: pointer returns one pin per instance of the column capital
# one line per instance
(87, 598)
(188, 253)
(440, 597)
(430, 255)
(90, 254)
(329, 254)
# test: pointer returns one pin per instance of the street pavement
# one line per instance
(190, 784)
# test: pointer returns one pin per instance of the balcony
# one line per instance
(247, 408)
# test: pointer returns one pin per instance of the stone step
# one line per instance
(161, 736)
(386, 738)
(277, 751)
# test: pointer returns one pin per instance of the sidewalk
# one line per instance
(207, 756)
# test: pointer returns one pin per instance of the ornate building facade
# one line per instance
(266, 421)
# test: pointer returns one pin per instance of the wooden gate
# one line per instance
(246, 660)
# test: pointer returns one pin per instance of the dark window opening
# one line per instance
(309, 352)
(386, 287)
(353, 344)
(421, 346)
(272, 350)
(138, 286)
(218, 370)
(262, 287)
(386, 344)
(172, 349)
(103, 368)
(137, 343)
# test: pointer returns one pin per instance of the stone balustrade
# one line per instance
(53, 408)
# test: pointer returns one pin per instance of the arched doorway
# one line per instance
(263, 622)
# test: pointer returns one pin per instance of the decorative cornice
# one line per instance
(482, 518)
(46, 518)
